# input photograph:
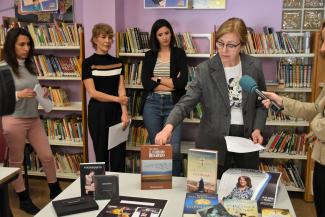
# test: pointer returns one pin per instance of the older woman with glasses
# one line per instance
(227, 111)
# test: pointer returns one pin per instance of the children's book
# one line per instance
(240, 208)
(106, 187)
(202, 168)
(87, 172)
(214, 211)
(195, 201)
(273, 212)
(133, 207)
(156, 166)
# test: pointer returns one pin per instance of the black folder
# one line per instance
(74, 205)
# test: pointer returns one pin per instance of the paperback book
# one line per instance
(195, 201)
(74, 205)
(214, 211)
(156, 166)
(240, 208)
(87, 172)
(273, 212)
(202, 168)
(133, 207)
(106, 187)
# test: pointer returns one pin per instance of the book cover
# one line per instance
(133, 207)
(74, 205)
(196, 201)
(214, 211)
(87, 172)
(156, 166)
(106, 187)
(268, 197)
(239, 208)
(272, 212)
(202, 168)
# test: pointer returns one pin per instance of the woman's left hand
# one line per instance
(257, 136)
(125, 120)
(46, 92)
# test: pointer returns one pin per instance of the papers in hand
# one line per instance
(116, 135)
(45, 102)
(241, 145)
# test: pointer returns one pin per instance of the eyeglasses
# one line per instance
(220, 45)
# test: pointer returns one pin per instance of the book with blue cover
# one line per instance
(195, 201)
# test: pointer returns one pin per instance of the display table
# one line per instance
(130, 186)
(7, 174)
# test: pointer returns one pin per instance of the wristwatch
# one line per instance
(158, 80)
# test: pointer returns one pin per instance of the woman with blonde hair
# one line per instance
(227, 110)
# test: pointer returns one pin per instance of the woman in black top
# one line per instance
(103, 78)
(164, 77)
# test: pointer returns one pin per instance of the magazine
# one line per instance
(87, 172)
(133, 207)
(247, 184)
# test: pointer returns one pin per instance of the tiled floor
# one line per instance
(40, 195)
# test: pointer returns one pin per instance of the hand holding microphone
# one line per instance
(271, 100)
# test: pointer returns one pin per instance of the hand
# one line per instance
(163, 137)
(257, 136)
(26, 93)
(123, 100)
(125, 120)
(46, 92)
(272, 96)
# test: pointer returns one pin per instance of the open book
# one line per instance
(245, 184)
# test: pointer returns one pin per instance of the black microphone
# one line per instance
(249, 85)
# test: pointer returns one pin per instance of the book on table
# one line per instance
(195, 201)
(240, 208)
(87, 172)
(202, 168)
(275, 212)
(106, 187)
(156, 166)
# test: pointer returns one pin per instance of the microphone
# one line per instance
(248, 84)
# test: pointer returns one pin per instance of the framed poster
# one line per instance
(161, 4)
(208, 4)
(31, 6)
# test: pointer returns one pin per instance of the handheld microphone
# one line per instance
(249, 85)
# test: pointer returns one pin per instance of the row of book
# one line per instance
(59, 96)
(290, 143)
(294, 74)
(185, 41)
(67, 129)
(64, 162)
(138, 135)
(53, 66)
(271, 42)
(132, 163)
(132, 73)
(290, 174)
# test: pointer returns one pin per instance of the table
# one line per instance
(130, 186)
(7, 174)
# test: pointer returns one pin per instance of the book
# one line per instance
(106, 187)
(273, 212)
(156, 166)
(202, 171)
(214, 211)
(195, 201)
(239, 208)
(247, 184)
(87, 172)
(74, 205)
(133, 207)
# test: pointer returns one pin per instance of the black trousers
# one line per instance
(239, 160)
(100, 117)
(319, 189)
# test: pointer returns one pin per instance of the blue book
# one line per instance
(196, 201)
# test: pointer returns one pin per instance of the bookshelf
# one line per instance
(60, 66)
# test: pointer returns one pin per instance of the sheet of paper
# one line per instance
(45, 102)
(241, 145)
(116, 135)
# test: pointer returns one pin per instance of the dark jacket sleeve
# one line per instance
(180, 59)
(147, 71)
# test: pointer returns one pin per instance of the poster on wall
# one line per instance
(208, 4)
(161, 4)
(29, 11)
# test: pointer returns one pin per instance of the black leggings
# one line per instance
(319, 189)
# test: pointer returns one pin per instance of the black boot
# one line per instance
(55, 189)
(26, 203)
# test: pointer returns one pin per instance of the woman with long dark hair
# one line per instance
(25, 123)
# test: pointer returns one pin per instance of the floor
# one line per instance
(40, 195)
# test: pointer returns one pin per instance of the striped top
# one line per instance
(162, 69)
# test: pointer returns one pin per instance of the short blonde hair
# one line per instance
(233, 25)
(101, 28)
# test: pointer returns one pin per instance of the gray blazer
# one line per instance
(210, 88)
